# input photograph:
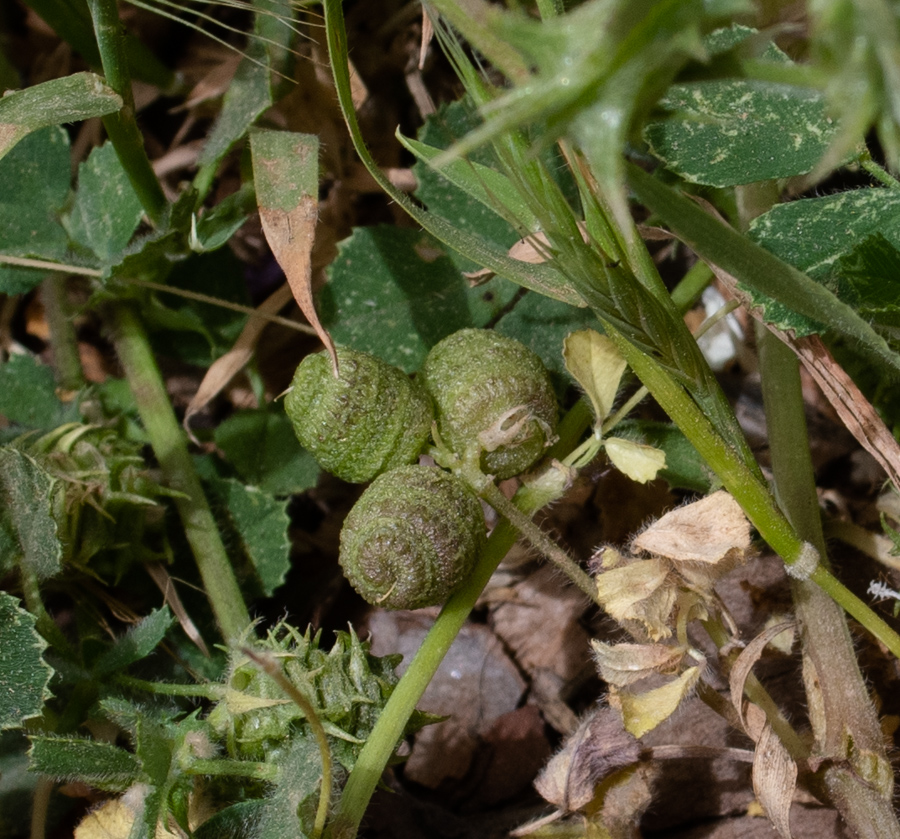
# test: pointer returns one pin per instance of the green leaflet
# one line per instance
(24, 675)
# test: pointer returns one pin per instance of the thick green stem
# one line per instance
(63, 339)
(844, 721)
(170, 447)
(390, 726)
(122, 127)
(220, 767)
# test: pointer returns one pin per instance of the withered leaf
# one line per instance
(597, 365)
(639, 592)
(599, 747)
(774, 780)
(708, 530)
(622, 664)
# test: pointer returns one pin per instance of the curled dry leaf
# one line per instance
(622, 664)
(599, 747)
(744, 664)
(709, 530)
(642, 712)
(774, 780)
(227, 366)
(286, 175)
(639, 591)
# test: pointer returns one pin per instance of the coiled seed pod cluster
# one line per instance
(415, 534)
(369, 419)
(493, 390)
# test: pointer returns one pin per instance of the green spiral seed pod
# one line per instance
(370, 419)
(494, 390)
(412, 538)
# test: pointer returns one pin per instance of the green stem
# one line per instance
(170, 447)
(63, 340)
(844, 721)
(391, 723)
(691, 286)
(222, 767)
(122, 127)
(539, 540)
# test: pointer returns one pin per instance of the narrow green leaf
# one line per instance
(247, 97)
(395, 292)
(24, 675)
(135, 644)
(27, 492)
(755, 267)
(69, 99)
(488, 186)
(106, 211)
(100, 765)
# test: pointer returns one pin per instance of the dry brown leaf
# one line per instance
(639, 592)
(533, 249)
(708, 530)
(623, 664)
(774, 780)
(744, 664)
(225, 368)
(598, 748)
(166, 585)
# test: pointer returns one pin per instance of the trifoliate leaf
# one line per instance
(596, 364)
(24, 675)
(639, 462)
(642, 712)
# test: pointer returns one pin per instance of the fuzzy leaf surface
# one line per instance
(137, 643)
(28, 395)
(34, 184)
(24, 675)
(102, 765)
(106, 211)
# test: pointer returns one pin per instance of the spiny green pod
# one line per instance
(412, 538)
(370, 419)
(493, 390)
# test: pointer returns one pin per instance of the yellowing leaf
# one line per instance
(642, 712)
(706, 531)
(639, 462)
(594, 362)
(622, 664)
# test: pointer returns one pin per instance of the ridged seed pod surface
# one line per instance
(369, 420)
(475, 377)
(412, 538)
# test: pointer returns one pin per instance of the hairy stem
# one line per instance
(845, 724)
(63, 341)
(170, 447)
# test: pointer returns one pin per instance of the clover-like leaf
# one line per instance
(596, 364)
(638, 461)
